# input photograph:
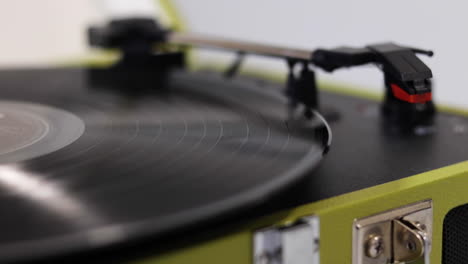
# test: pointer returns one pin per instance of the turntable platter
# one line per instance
(113, 167)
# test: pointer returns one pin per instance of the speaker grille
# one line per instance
(455, 236)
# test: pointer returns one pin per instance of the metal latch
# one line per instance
(296, 243)
(401, 235)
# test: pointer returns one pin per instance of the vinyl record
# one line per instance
(84, 166)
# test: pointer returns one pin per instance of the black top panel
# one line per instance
(363, 154)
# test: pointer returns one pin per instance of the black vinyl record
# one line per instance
(84, 166)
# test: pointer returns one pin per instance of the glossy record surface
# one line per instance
(146, 163)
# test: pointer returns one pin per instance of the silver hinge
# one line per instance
(400, 235)
(296, 243)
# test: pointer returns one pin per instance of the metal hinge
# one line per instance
(295, 243)
(400, 235)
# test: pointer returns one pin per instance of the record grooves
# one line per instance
(147, 164)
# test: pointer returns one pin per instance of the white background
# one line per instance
(39, 31)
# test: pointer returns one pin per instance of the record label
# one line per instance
(31, 130)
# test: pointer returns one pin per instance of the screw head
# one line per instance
(411, 245)
(421, 226)
(374, 246)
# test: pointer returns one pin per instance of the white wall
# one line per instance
(36, 32)
(33, 31)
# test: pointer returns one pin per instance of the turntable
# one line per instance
(150, 159)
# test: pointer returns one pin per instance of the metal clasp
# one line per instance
(400, 235)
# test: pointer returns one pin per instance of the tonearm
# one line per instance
(408, 93)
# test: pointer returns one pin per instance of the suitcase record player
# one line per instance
(152, 157)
